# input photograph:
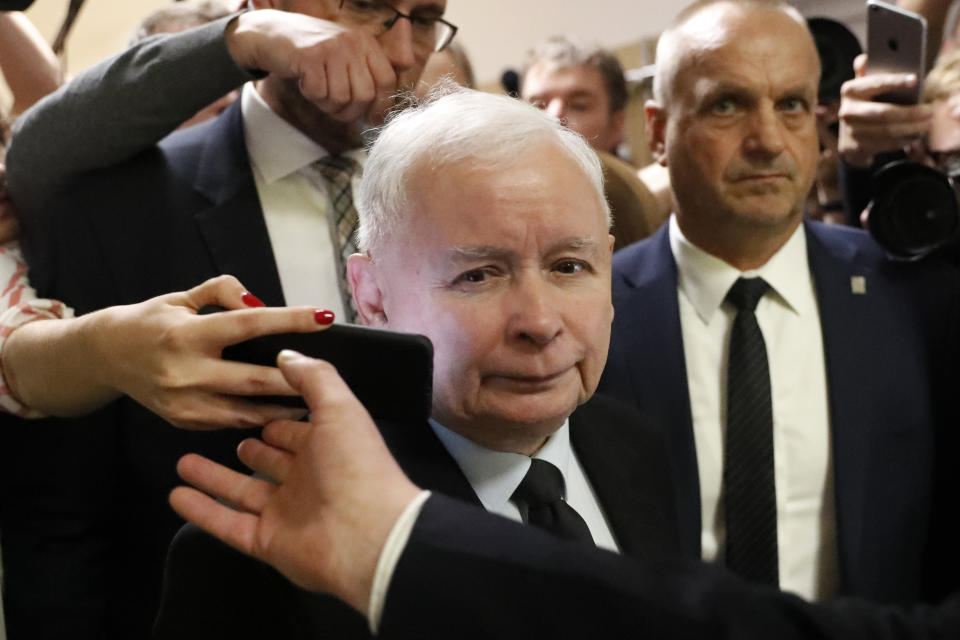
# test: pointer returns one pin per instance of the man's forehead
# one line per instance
(546, 76)
(746, 47)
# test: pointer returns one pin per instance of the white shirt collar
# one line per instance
(275, 147)
(495, 475)
(705, 279)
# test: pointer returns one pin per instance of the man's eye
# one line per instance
(580, 106)
(794, 105)
(570, 267)
(364, 5)
(473, 276)
(424, 22)
(724, 107)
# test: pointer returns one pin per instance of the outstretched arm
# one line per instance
(118, 108)
(127, 103)
(160, 353)
(337, 493)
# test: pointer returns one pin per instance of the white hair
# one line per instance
(450, 125)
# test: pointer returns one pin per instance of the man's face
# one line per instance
(578, 97)
(507, 271)
(738, 132)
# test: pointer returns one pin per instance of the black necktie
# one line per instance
(749, 494)
(541, 494)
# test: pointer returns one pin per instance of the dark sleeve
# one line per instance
(211, 590)
(116, 109)
(469, 574)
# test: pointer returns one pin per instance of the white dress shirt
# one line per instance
(789, 318)
(495, 475)
(295, 204)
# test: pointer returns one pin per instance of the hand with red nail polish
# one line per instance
(162, 354)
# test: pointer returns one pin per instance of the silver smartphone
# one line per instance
(896, 43)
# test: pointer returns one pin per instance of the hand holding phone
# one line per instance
(391, 373)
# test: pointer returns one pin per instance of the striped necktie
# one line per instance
(338, 172)
(748, 476)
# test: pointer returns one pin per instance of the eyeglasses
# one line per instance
(430, 31)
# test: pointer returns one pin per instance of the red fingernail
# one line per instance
(251, 300)
(324, 317)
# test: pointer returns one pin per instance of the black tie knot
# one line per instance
(746, 293)
(540, 495)
(542, 485)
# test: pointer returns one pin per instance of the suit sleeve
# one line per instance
(466, 573)
(116, 109)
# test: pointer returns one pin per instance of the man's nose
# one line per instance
(534, 316)
(764, 136)
(399, 46)
(557, 107)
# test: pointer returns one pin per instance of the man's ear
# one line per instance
(364, 280)
(657, 130)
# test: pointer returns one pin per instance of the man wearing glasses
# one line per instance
(262, 192)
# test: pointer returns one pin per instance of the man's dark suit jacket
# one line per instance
(886, 352)
(85, 518)
(213, 591)
(467, 574)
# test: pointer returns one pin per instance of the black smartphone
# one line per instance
(896, 43)
(391, 373)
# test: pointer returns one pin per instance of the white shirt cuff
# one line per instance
(389, 556)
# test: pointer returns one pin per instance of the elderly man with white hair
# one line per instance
(483, 227)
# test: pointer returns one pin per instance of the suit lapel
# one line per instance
(845, 319)
(625, 459)
(648, 344)
(233, 226)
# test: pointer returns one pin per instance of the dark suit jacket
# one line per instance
(85, 517)
(884, 355)
(514, 582)
(213, 591)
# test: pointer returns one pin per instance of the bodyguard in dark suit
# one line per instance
(498, 250)
(827, 480)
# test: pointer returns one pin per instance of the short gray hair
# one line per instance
(452, 124)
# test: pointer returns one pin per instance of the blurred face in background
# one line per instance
(577, 96)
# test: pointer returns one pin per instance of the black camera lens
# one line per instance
(914, 211)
